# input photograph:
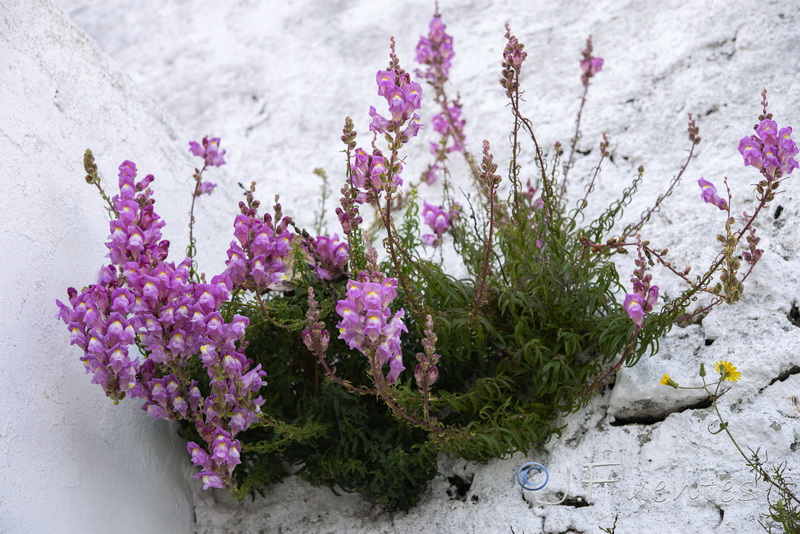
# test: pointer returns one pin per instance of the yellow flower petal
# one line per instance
(667, 381)
(728, 371)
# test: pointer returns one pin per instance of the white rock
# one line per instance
(275, 81)
(71, 461)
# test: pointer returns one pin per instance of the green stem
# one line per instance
(752, 463)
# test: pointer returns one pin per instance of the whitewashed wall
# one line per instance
(275, 80)
(71, 461)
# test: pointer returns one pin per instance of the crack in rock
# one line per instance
(647, 419)
(793, 370)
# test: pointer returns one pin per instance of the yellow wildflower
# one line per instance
(667, 381)
(728, 371)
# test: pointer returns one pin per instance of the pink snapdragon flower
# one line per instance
(329, 256)
(634, 305)
(217, 467)
(438, 219)
(590, 65)
(370, 175)
(637, 305)
(644, 296)
(206, 188)
(709, 194)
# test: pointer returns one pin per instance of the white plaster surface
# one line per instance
(275, 80)
(71, 461)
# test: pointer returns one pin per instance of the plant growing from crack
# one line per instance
(535, 328)
(784, 511)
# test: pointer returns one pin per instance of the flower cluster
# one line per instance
(404, 98)
(141, 297)
(329, 256)
(367, 323)
(164, 308)
(771, 150)
(257, 261)
(709, 194)
(136, 233)
(369, 174)
(449, 125)
(590, 65)
(209, 150)
(439, 221)
(232, 405)
(644, 296)
(216, 468)
(98, 324)
(435, 51)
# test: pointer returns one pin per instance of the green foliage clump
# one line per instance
(533, 331)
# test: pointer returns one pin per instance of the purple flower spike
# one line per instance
(403, 96)
(257, 262)
(709, 194)
(367, 323)
(590, 65)
(439, 221)
(771, 150)
(209, 151)
(436, 52)
(442, 126)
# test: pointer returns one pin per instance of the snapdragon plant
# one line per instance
(377, 362)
